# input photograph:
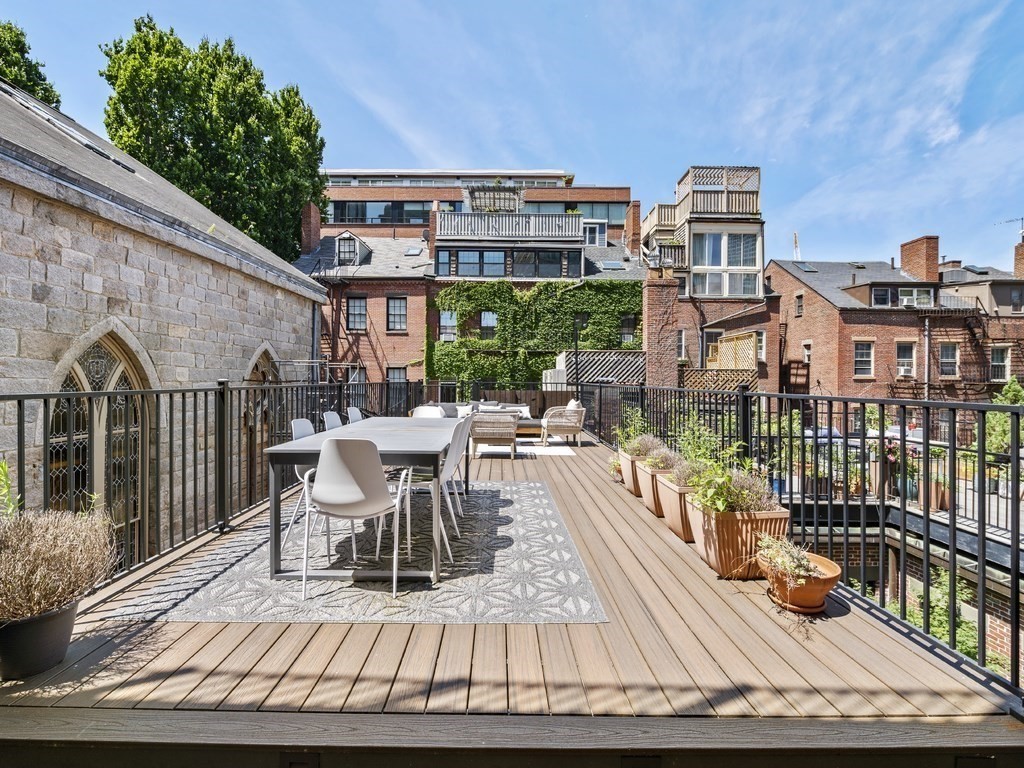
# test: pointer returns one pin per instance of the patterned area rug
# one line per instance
(515, 563)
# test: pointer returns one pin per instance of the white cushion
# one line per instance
(524, 410)
(464, 410)
(574, 404)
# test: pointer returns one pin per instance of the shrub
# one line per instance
(644, 445)
(784, 557)
(685, 472)
(662, 459)
(722, 489)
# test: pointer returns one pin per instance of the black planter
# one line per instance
(33, 645)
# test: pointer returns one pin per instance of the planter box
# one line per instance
(674, 505)
(938, 496)
(628, 464)
(648, 487)
(728, 542)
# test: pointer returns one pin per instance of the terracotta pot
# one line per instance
(628, 464)
(33, 645)
(939, 496)
(648, 487)
(808, 597)
(729, 540)
(673, 505)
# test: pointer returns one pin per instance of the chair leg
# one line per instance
(544, 436)
(355, 554)
(458, 502)
(451, 512)
(444, 538)
(408, 525)
(394, 553)
(305, 553)
(295, 513)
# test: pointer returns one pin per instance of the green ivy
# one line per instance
(534, 325)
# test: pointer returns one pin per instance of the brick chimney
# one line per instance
(310, 228)
(659, 331)
(920, 258)
(432, 227)
(631, 230)
(1018, 260)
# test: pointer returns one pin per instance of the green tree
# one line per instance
(204, 119)
(997, 425)
(17, 68)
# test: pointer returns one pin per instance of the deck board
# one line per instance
(678, 641)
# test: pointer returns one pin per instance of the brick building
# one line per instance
(708, 247)
(923, 329)
(392, 239)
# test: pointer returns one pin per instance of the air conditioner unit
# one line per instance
(904, 370)
(447, 337)
(908, 302)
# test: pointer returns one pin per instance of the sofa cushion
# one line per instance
(524, 410)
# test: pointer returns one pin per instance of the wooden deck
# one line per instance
(685, 661)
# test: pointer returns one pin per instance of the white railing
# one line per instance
(554, 226)
(661, 215)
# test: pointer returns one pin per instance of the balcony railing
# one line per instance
(534, 226)
(662, 215)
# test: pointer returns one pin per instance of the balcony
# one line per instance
(683, 663)
(660, 220)
(509, 226)
(717, 192)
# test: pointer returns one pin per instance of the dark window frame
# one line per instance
(349, 314)
(398, 321)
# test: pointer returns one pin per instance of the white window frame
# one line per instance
(706, 279)
(922, 296)
(870, 359)
(701, 270)
(798, 305)
(807, 351)
(1005, 348)
(447, 331)
(599, 229)
(681, 344)
(761, 342)
(956, 360)
(913, 358)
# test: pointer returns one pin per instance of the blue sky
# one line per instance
(874, 123)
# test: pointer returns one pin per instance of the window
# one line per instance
(355, 313)
(880, 297)
(762, 345)
(494, 263)
(444, 263)
(682, 291)
(543, 208)
(707, 250)
(743, 284)
(549, 264)
(574, 264)
(595, 233)
(710, 338)
(1017, 300)
(807, 352)
(949, 355)
(412, 213)
(905, 358)
(627, 328)
(915, 297)
(329, 213)
(798, 308)
(347, 250)
(742, 250)
(488, 324)
(397, 306)
(681, 344)
(613, 213)
(707, 283)
(863, 358)
(1000, 363)
(396, 375)
(524, 264)
(469, 264)
(447, 326)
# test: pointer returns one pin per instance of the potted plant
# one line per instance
(674, 487)
(615, 468)
(816, 481)
(633, 425)
(631, 453)
(798, 580)
(49, 560)
(730, 506)
(660, 462)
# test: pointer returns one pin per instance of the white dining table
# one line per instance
(403, 442)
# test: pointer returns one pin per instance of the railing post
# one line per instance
(221, 413)
(743, 420)
(600, 411)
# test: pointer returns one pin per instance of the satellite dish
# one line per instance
(425, 234)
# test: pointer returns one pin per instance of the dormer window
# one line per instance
(347, 251)
(595, 233)
(879, 297)
(915, 297)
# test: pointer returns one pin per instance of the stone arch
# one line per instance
(264, 359)
(121, 335)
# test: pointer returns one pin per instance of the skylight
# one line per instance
(805, 266)
(857, 265)
(413, 251)
(612, 265)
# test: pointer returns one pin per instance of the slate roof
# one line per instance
(832, 276)
(51, 144)
(387, 259)
(970, 274)
(594, 255)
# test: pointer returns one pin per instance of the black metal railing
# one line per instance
(919, 502)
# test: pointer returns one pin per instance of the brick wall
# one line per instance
(631, 231)
(377, 348)
(577, 194)
(920, 258)
(1018, 260)
(659, 330)
(310, 228)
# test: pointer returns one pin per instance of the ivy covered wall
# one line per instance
(534, 325)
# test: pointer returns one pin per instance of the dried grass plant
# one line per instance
(49, 559)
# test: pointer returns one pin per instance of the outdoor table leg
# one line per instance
(275, 519)
(435, 550)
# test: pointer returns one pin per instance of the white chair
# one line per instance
(304, 428)
(428, 412)
(332, 419)
(456, 450)
(349, 484)
(354, 414)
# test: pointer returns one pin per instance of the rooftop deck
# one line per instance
(688, 663)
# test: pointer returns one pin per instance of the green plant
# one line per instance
(722, 489)
(997, 424)
(696, 441)
(643, 445)
(686, 472)
(615, 466)
(784, 557)
(10, 502)
(662, 458)
(634, 423)
(572, 210)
